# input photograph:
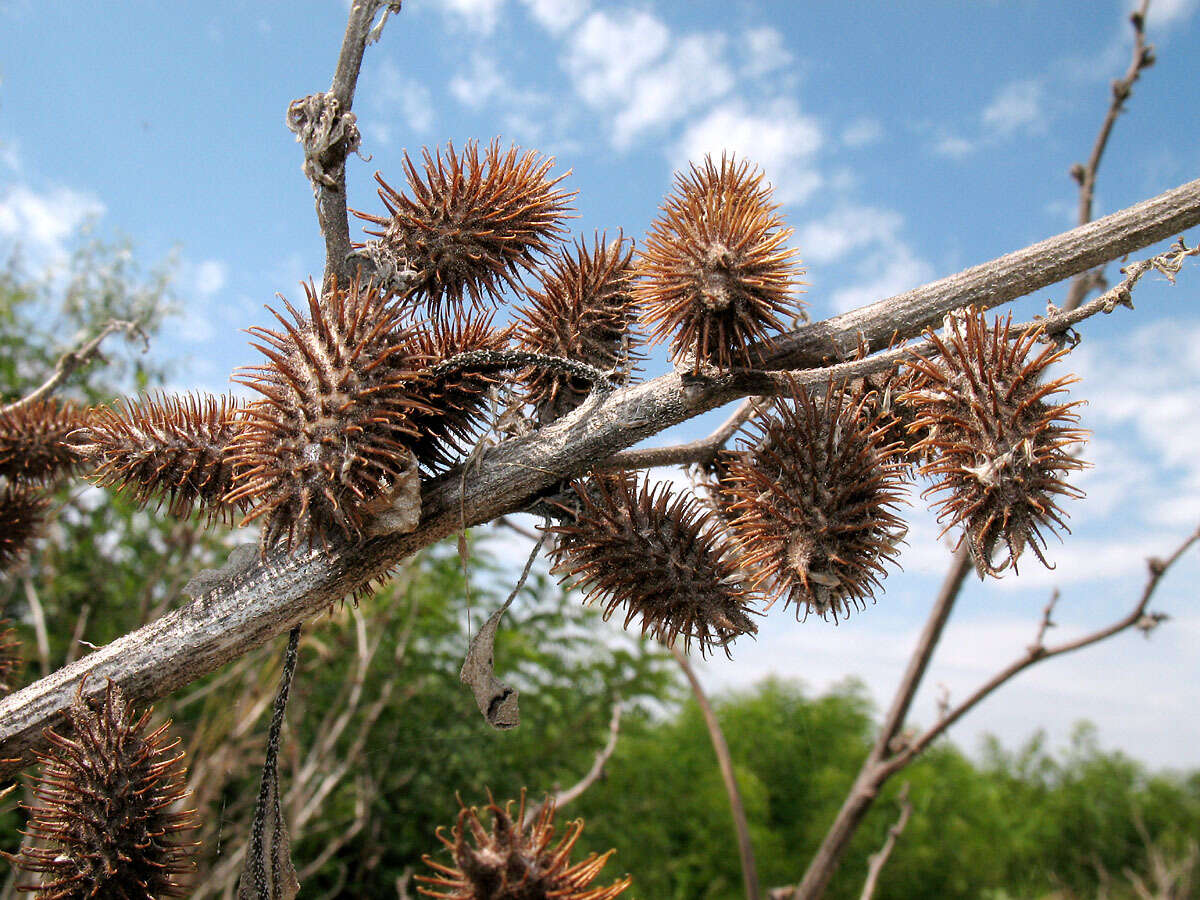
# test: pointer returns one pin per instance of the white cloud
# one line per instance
(556, 16)
(476, 15)
(895, 268)
(395, 92)
(764, 52)
(42, 223)
(629, 65)
(208, 277)
(862, 132)
(479, 83)
(777, 137)
(847, 228)
(1016, 107)
(953, 146)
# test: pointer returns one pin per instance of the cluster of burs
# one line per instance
(370, 389)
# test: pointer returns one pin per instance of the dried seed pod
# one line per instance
(171, 447)
(459, 400)
(584, 311)
(21, 510)
(515, 860)
(814, 495)
(10, 658)
(882, 396)
(658, 554)
(33, 440)
(716, 275)
(105, 804)
(331, 440)
(472, 224)
(994, 436)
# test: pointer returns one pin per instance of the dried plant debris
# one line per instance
(330, 444)
(34, 443)
(458, 401)
(108, 820)
(995, 437)
(471, 224)
(11, 662)
(167, 448)
(814, 494)
(22, 509)
(584, 311)
(515, 860)
(716, 274)
(659, 555)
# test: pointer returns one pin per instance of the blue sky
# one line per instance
(906, 141)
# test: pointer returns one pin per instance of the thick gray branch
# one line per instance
(272, 596)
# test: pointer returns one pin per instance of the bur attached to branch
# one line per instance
(515, 860)
(167, 448)
(716, 275)
(458, 400)
(814, 494)
(470, 225)
(330, 444)
(21, 511)
(995, 437)
(584, 311)
(106, 823)
(33, 440)
(659, 555)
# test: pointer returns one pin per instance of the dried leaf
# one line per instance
(496, 700)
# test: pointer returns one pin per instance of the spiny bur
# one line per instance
(716, 274)
(33, 440)
(107, 822)
(458, 400)
(21, 510)
(329, 442)
(584, 311)
(813, 494)
(515, 860)
(473, 223)
(995, 437)
(10, 658)
(171, 448)
(659, 555)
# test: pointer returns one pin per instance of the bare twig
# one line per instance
(1038, 651)
(327, 128)
(879, 859)
(74, 359)
(701, 451)
(725, 761)
(1085, 175)
(274, 594)
(574, 792)
(38, 614)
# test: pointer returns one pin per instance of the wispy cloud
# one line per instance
(1017, 106)
(42, 222)
(475, 15)
(862, 132)
(777, 137)
(556, 16)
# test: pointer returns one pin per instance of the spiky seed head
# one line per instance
(332, 436)
(658, 554)
(458, 400)
(473, 223)
(715, 274)
(514, 860)
(584, 311)
(10, 658)
(814, 494)
(995, 436)
(22, 508)
(107, 813)
(33, 440)
(166, 447)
